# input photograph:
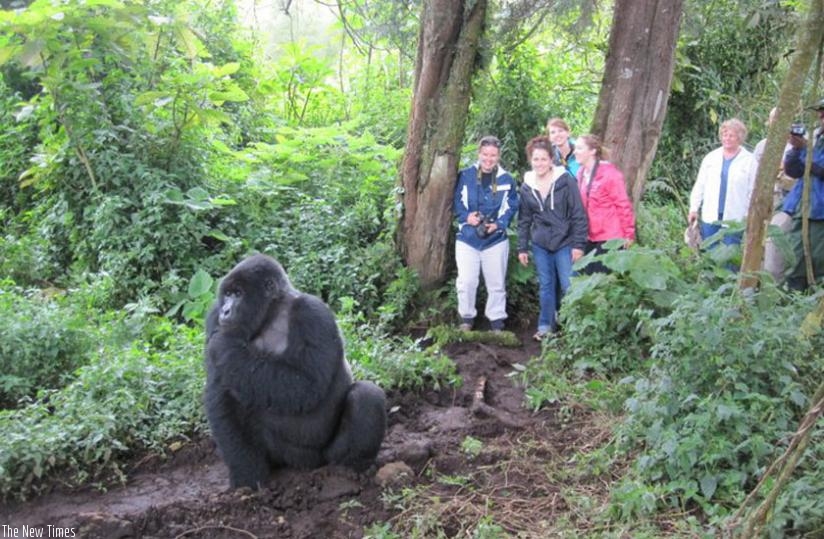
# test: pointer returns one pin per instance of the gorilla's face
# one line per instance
(248, 293)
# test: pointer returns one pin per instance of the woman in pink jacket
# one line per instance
(604, 194)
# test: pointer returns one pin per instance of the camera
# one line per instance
(480, 228)
(798, 130)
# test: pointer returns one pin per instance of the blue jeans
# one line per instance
(554, 271)
(708, 229)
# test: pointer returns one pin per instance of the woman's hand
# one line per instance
(523, 258)
(692, 217)
(473, 218)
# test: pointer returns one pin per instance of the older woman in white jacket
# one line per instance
(725, 182)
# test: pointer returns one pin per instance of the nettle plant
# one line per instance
(730, 378)
(605, 316)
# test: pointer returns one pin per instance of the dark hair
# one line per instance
(594, 142)
(540, 142)
(489, 140)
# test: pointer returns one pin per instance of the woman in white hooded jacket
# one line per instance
(552, 221)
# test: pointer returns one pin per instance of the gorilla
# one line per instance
(279, 391)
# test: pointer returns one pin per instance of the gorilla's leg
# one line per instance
(362, 427)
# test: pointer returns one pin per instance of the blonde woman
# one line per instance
(724, 183)
(563, 147)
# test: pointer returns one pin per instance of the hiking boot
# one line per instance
(466, 324)
(497, 326)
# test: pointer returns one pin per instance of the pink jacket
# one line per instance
(609, 209)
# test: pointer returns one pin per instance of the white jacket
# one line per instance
(740, 182)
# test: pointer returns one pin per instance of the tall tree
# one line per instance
(636, 84)
(810, 40)
(447, 47)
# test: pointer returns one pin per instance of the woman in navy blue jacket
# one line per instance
(486, 200)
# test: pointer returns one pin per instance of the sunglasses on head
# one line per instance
(490, 141)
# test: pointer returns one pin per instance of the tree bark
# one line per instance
(636, 85)
(447, 47)
(809, 40)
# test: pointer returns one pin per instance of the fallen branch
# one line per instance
(783, 467)
(481, 408)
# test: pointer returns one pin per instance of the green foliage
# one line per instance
(729, 62)
(128, 397)
(17, 138)
(605, 316)
(319, 200)
(730, 379)
(122, 134)
(41, 344)
(393, 362)
(306, 98)
(448, 333)
(199, 296)
(527, 85)
(472, 447)
(799, 510)
(25, 256)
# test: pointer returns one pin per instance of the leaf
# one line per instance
(30, 57)
(200, 284)
(198, 193)
(226, 69)
(218, 235)
(190, 43)
(198, 205)
(150, 97)
(232, 93)
(173, 196)
(7, 53)
(725, 412)
(708, 485)
(222, 201)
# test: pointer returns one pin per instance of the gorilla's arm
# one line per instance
(293, 366)
(211, 322)
(246, 459)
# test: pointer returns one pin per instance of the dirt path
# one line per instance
(187, 497)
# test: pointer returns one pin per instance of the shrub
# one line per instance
(41, 344)
(392, 362)
(129, 397)
(730, 378)
(605, 316)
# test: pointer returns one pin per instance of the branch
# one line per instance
(787, 463)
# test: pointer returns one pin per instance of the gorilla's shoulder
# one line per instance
(311, 312)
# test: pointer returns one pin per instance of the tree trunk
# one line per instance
(809, 40)
(447, 47)
(636, 85)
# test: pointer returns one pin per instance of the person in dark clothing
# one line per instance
(553, 222)
(794, 162)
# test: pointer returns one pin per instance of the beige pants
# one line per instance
(773, 259)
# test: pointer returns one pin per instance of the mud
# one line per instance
(187, 495)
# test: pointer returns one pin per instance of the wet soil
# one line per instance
(429, 447)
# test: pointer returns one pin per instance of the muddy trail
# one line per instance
(469, 453)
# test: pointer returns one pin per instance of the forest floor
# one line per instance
(454, 462)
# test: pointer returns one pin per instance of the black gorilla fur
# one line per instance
(279, 391)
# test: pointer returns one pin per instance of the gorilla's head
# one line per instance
(249, 292)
